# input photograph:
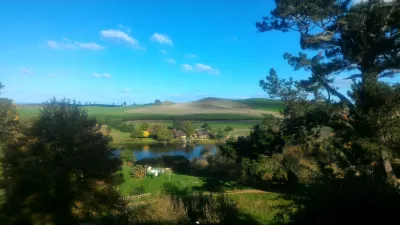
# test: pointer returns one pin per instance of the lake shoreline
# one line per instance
(148, 141)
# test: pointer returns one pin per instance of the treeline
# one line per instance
(180, 129)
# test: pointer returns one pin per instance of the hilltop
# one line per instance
(251, 108)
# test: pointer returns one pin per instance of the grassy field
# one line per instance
(155, 185)
(262, 207)
(212, 109)
(263, 104)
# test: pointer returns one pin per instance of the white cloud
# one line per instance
(102, 75)
(192, 55)
(26, 71)
(161, 38)
(90, 46)
(171, 60)
(164, 52)
(119, 35)
(126, 90)
(68, 44)
(60, 45)
(176, 95)
(206, 68)
(186, 67)
(200, 68)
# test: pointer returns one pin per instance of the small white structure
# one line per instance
(151, 171)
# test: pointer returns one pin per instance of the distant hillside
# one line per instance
(167, 103)
(203, 109)
(218, 103)
(250, 103)
(263, 104)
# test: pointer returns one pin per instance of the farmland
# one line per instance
(208, 109)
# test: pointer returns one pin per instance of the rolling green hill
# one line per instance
(203, 109)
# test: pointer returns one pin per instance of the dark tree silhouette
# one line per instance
(60, 170)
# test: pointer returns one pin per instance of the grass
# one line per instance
(239, 132)
(262, 207)
(119, 113)
(236, 124)
(203, 110)
(263, 104)
(155, 185)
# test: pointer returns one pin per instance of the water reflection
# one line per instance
(189, 151)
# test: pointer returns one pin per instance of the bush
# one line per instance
(165, 135)
(210, 210)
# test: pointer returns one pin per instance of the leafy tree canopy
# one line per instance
(65, 161)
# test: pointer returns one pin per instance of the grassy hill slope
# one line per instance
(203, 109)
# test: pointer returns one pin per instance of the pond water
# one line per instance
(189, 151)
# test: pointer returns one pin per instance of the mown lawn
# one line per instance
(262, 207)
(155, 185)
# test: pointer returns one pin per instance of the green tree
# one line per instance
(156, 128)
(127, 156)
(228, 129)
(219, 133)
(9, 118)
(332, 28)
(68, 166)
(157, 102)
(144, 126)
(343, 37)
(187, 127)
(206, 127)
(165, 135)
(137, 133)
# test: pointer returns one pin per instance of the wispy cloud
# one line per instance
(127, 29)
(102, 75)
(186, 68)
(171, 60)
(175, 95)
(69, 44)
(161, 38)
(189, 55)
(164, 52)
(126, 90)
(206, 68)
(200, 68)
(119, 35)
(90, 46)
(26, 71)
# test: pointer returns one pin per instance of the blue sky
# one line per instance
(138, 51)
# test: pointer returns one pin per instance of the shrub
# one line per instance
(160, 210)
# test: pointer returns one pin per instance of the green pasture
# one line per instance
(263, 104)
(155, 185)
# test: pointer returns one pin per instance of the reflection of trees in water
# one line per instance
(189, 147)
(146, 147)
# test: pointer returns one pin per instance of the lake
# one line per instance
(189, 151)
